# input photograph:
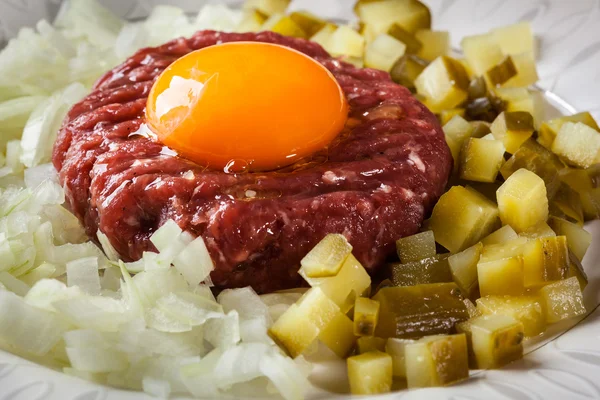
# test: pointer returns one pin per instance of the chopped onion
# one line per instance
(84, 274)
(194, 262)
(94, 312)
(156, 387)
(108, 248)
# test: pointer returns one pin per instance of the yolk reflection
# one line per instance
(259, 104)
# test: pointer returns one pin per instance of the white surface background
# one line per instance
(569, 33)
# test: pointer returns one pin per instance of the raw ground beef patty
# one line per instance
(374, 184)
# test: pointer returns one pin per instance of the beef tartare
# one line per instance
(374, 184)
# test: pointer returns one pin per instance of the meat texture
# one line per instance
(374, 184)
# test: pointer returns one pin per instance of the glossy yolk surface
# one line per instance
(258, 105)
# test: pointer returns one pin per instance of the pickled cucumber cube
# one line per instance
(283, 25)
(428, 270)
(351, 281)
(537, 159)
(324, 35)
(461, 218)
(416, 247)
(406, 70)
(411, 15)
(576, 270)
(268, 7)
(459, 129)
(526, 309)
(397, 349)
(526, 70)
(481, 159)
(447, 115)
(327, 257)
(437, 361)
(383, 52)
(252, 21)
(500, 236)
(366, 314)
(415, 311)
(515, 39)
(480, 129)
(346, 41)
(494, 340)
(513, 129)
(413, 45)
(578, 144)
(567, 203)
(443, 83)
(482, 52)
(549, 129)
(541, 230)
(370, 373)
(338, 335)
(365, 344)
(522, 200)
(472, 309)
(310, 23)
(578, 239)
(463, 267)
(545, 260)
(500, 74)
(562, 299)
(500, 277)
(435, 44)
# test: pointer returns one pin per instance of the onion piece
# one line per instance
(84, 274)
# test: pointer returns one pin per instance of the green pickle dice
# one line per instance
(414, 311)
(562, 300)
(397, 349)
(411, 15)
(461, 218)
(447, 115)
(429, 270)
(541, 230)
(366, 314)
(383, 52)
(513, 129)
(338, 335)
(500, 236)
(502, 72)
(365, 344)
(406, 70)
(416, 247)
(495, 340)
(482, 52)
(578, 239)
(526, 309)
(545, 260)
(549, 129)
(578, 144)
(522, 200)
(576, 270)
(463, 267)
(481, 160)
(566, 203)
(309, 22)
(370, 373)
(434, 44)
(284, 25)
(500, 269)
(443, 84)
(413, 45)
(437, 361)
(327, 257)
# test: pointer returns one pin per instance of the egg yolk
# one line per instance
(258, 105)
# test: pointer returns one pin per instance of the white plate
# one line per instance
(565, 362)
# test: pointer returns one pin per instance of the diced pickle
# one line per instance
(576, 270)
(268, 7)
(522, 200)
(495, 340)
(480, 129)
(284, 25)
(472, 309)
(537, 159)
(513, 128)
(481, 160)
(338, 335)
(482, 52)
(484, 108)
(459, 129)
(526, 70)
(429, 270)
(541, 230)
(578, 239)
(397, 349)
(590, 203)
(252, 21)
(502, 72)
(347, 42)
(526, 309)
(577, 179)
(463, 267)
(383, 52)
(500, 277)
(515, 39)
(545, 260)
(370, 373)
(366, 344)
(411, 15)
(567, 203)
(351, 281)
(447, 115)
(461, 218)
(562, 299)
(366, 314)
(327, 257)
(416, 247)
(435, 44)
(443, 83)
(323, 36)
(500, 236)
(477, 88)
(406, 70)
(578, 144)
(413, 45)
(437, 361)
(415, 311)
(550, 129)
(309, 22)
